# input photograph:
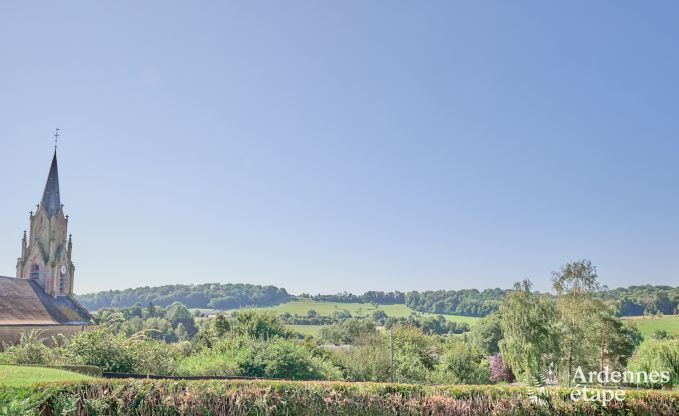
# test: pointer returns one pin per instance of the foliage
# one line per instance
(486, 335)
(647, 299)
(101, 348)
(499, 372)
(169, 324)
(529, 325)
(368, 358)
(245, 356)
(209, 295)
(347, 331)
(380, 298)
(414, 358)
(461, 363)
(658, 355)
(259, 324)
(430, 324)
(576, 286)
(273, 398)
(177, 314)
(470, 302)
(30, 350)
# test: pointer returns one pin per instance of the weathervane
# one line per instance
(56, 138)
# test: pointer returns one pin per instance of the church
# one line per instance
(41, 295)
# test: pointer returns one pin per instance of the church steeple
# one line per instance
(51, 200)
(46, 250)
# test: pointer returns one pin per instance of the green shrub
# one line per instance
(462, 364)
(209, 363)
(102, 349)
(368, 359)
(658, 355)
(286, 359)
(243, 356)
(272, 398)
(260, 324)
(30, 350)
(347, 331)
(414, 360)
(152, 357)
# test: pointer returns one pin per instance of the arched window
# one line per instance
(35, 272)
(62, 283)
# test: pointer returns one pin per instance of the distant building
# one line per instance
(41, 295)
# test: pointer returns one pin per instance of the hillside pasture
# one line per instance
(302, 306)
(649, 324)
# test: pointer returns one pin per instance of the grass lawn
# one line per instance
(648, 325)
(20, 376)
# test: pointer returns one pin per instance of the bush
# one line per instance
(260, 324)
(209, 363)
(153, 357)
(286, 359)
(100, 348)
(367, 359)
(414, 358)
(499, 372)
(243, 356)
(462, 364)
(272, 398)
(347, 331)
(657, 355)
(30, 350)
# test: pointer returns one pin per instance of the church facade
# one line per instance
(41, 295)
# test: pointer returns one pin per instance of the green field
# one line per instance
(21, 376)
(312, 330)
(648, 325)
(302, 306)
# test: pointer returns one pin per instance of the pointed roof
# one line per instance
(51, 201)
(24, 302)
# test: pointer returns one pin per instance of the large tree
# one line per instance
(582, 315)
(528, 324)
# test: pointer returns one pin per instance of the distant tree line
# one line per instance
(630, 301)
(381, 298)
(209, 295)
(468, 302)
(644, 300)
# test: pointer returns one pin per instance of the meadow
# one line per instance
(303, 306)
(647, 325)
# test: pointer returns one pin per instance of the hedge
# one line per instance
(165, 397)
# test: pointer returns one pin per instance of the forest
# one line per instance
(209, 295)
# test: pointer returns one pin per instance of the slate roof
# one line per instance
(51, 200)
(24, 302)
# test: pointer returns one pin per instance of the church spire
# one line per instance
(51, 201)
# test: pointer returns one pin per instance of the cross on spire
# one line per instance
(56, 138)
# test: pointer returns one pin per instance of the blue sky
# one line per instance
(353, 145)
